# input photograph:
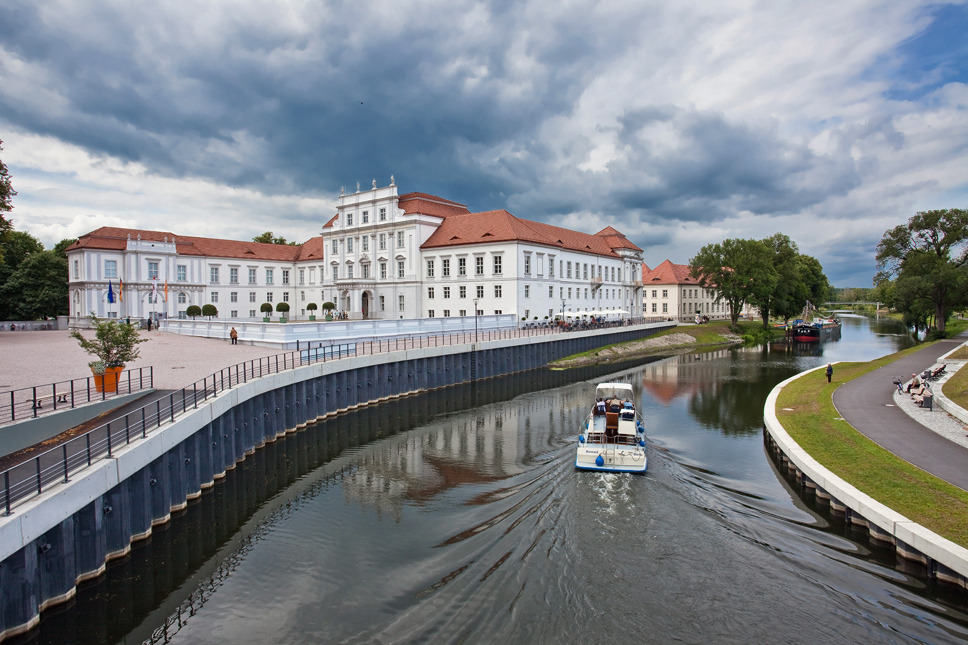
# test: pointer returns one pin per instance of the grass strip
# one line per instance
(717, 333)
(812, 421)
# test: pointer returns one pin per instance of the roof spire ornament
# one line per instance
(357, 186)
(374, 184)
(139, 237)
(391, 181)
(342, 190)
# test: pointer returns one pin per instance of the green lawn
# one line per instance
(814, 424)
(711, 334)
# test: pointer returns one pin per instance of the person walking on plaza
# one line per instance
(234, 335)
(830, 371)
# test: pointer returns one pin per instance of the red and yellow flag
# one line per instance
(120, 289)
(166, 289)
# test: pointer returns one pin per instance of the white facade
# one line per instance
(372, 261)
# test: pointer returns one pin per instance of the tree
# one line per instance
(266, 308)
(269, 238)
(115, 343)
(329, 306)
(737, 271)
(6, 196)
(312, 306)
(788, 293)
(61, 247)
(193, 310)
(210, 311)
(37, 288)
(15, 247)
(927, 257)
(814, 280)
(282, 307)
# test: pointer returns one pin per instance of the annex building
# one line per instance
(382, 256)
(670, 290)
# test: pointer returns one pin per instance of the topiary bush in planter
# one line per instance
(283, 309)
(266, 308)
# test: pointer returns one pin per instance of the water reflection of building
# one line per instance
(486, 445)
(682, 375)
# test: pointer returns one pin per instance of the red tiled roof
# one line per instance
(330, 222)
(502, 226)
(425, 204)
(668, 273)
(312, 250)
(112, 238)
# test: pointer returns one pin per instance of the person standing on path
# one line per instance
(830, 371)
(234, 335)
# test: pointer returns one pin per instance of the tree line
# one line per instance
(770, 274)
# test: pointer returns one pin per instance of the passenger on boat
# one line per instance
(614, 405)
(600, 407)
(627, 404)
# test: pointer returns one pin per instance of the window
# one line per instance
(112, 314)
(215, 296)
(653, 307)
(399, 239)
(551, 267)
(285, 296)
(349, 271)
(302, 296)
(551, 292)
(665, 293)
(654, 292)
(383, 214)
(349, 219)
(252, 296)
(497, 312)
(251, 313)
(446, 292)
(665, 307)
(152, 270)
(479, 266)
(480, 312)
(446, 267)
(480, 291)
(585, 271)
(383, 270)
(269, 296)
(400, 303)
(561, 268)
(213, 277)
(497, 265)
(430, 268)
(366, 242)
(77, 270)
(569, 270)
(400, 273)
(251, 276)
(497, 291)
(366, 271)
(446, 313)
(110, 268)
(312, 275)
(268, 276)
(335, 272)
(561, 292)
(182, 298)
(463, 292)
(527, 313)
(234, 313)
(527, 265)
(382, 303)
(599, 272)
(527, 291)
(430, 293)
(383, 241)
(233, 276)
(569, 293)
(335, 247)
(430, 313)
(366, 216)
(461, 266)
(349, 245)
(234, 296)
(462, 312)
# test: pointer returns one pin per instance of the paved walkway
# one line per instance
(867, 403)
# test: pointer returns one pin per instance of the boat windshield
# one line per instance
(619, 391)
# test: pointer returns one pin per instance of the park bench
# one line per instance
(37, 403)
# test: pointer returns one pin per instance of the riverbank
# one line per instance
(683, 338)
(806, 411)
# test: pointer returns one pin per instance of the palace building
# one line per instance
(382, 256)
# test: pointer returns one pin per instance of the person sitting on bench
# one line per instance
(922, 392)
(915, 383)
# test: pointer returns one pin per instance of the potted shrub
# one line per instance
(311, 307)
(209, 310)
(114, 343)
(266, 308)
(328, 307)
(283, 309)
(193, 310)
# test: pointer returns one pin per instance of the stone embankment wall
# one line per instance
(943, 560)
(67, 535)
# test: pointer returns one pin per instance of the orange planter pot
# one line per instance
(108, 382)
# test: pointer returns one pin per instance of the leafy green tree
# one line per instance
(927, 257)
(282, 307)
(61, 247)
(269, 238)
(210, 311)
(6, 201)
(789, 292)
(193, 310)
(329, 306)
(37, 288)
(816, 286)
(737, 271)
(266, 308)
(16, 247)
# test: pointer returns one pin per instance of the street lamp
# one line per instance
(475, 319)
(562, 311)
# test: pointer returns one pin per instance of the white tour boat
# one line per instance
(612, 440)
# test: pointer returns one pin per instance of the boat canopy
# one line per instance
(614, 391)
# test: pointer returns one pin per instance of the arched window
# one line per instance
(182, 298)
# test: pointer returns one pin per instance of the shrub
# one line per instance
(266, 308)
(209, 310)
(193, 310)
(329, 306)
(115, 343)
(282, 307)
(312, 306)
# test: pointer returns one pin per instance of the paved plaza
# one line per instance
(29, 358)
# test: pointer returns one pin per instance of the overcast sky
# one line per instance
(679, 123)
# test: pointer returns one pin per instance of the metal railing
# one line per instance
(55, 466)
(32, 402)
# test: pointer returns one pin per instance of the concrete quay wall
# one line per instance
(943, 560)
(67, 535)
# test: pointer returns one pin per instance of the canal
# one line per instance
(458, 516)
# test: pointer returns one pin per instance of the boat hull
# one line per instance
(615, 459)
